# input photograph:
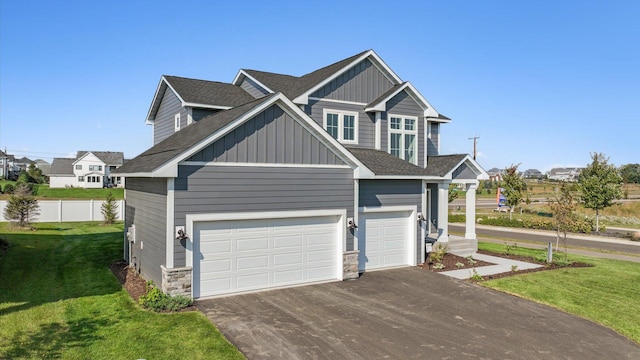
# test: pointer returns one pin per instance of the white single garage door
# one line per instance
(244, 255)
(383, 240)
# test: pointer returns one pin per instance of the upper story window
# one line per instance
(177, 121)
(78, 166)
(403, 135)
(95, 167)
(342, 125)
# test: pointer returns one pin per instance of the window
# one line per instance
(95, 167)
(80, 178)
(177, 121)
(342, 125)
(403, 133)
(79, 167)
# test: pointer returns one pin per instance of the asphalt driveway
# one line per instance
(406, 314)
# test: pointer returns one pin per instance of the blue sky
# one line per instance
(541, 83)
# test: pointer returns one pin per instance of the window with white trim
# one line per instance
(177, 121)
(342, 125)
(403, 137)
(78, 166)
(80, 178)
(95, 167)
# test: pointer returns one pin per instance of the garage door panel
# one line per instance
(280, 242)
(288, 259)
(252, 244)
(252, 262)
(238, 256)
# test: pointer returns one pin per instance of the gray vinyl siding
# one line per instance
(464, 173)
(270, 137)
(375, 193)
(366, 126)
(252, 88)
(434, 203)
(362, 83)
(164, 125)
(225, 189)
(432, 141)
(198, 114)
(403, 104)
(146, 208)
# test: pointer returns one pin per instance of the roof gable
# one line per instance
(198, 93)
(162, 159)
(380, 103)
(62, 166)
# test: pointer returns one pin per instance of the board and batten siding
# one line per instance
(225, 189)
(432, 141)
(366, 126)
(146, 208)
(403, 104)
(377, 193)
(252, 88)
(164, 123)
(464, 172)
(362, 83)
(270, 137)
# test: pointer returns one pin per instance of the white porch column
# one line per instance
(470, 211)
(443, 212)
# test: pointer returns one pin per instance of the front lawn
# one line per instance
(607, 293)
(44, 192)
(58, 299)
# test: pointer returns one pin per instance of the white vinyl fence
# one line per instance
(69, 210)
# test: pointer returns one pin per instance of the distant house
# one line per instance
(89, 169)
(533, 174)
(9, 167)
(564, 174)
(43, 165)
(495, 174)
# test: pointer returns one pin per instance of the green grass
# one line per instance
(607, 293)
(58, 299)
(46, 193)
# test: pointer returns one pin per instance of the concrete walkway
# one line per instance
(501, 265)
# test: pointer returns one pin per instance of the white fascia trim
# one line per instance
(475, 167)
(170, 223)
(81, 157)
(338, 101)
(412, 225)
(341, 230)
(206, 106)
(430, 111)
(236, 80)
(277, 165)
(148, 120)
(341, 114)
(406, 177)
(304, 98)
(378, 131)
(381, 105)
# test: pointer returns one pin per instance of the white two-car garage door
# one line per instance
(243, 255)
(384, 240)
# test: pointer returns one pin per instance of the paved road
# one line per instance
(407, 313)
(543, 237)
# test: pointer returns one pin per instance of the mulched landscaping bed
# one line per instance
(133, 282)
(449, 261)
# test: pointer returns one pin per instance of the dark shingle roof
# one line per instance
(383, 163)
(208, 92)
(442, 164)
(182, 140)
(112, 158)
(380, 98)
(62, 166)
(293, 86)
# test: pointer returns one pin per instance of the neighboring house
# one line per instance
(495, 174)
(9, 168)
(90, 169)
(43, 165)
(564, 174)
(277, 180)
(533, 174)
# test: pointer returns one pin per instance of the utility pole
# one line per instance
(475, 145)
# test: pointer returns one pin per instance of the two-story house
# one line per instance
(277, 180)
(90, 170)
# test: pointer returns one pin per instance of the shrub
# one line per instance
(154, 299)
(457, 218)
(8, 189)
